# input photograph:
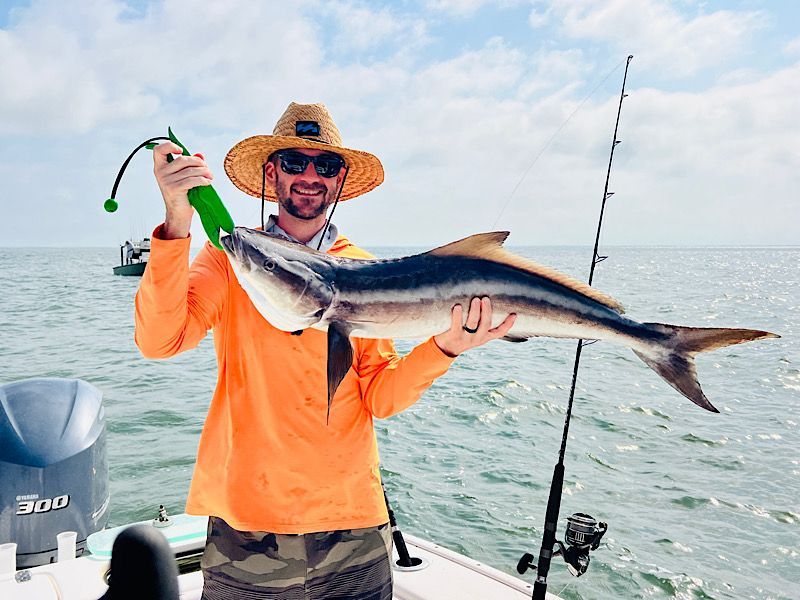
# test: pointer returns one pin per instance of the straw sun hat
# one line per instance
(301, 126)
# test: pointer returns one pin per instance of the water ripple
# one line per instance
(691, 498)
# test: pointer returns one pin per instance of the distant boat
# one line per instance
(133, 258)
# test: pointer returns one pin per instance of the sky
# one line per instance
(486, 115)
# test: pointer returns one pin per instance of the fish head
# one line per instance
(289, 283)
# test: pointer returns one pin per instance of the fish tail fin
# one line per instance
(674, 361)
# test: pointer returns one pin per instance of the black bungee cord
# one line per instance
(330, 216)
(583, 533)
(263, 200)
(327, 221)
(111, 204)
(336, 202)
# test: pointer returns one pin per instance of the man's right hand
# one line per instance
(175, 179)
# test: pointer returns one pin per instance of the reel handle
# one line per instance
(525, 563)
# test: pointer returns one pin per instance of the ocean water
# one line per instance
(699, 505)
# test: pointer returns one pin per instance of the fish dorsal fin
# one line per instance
(489, 246)
(475, 245)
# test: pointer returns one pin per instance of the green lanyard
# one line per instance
(205, 200)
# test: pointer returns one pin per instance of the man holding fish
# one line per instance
(289, 477)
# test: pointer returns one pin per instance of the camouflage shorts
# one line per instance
(352, 564)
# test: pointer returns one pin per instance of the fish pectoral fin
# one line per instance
(514, 338)
(340, 357)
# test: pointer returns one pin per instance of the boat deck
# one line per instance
(445, 575)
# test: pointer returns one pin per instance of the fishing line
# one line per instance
(330, 216)
(564, 588)
(327, 221)
(550, 141)
(263, 201)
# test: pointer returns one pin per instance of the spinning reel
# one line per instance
(583, 535)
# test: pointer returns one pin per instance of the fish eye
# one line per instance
(269, 264)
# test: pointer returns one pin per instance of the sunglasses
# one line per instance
(294, 163)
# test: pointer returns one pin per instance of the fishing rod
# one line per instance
(583, 533)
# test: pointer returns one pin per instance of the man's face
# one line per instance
(307, 194)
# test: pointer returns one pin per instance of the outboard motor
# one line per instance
(53, 466)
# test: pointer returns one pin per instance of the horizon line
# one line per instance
(197, 247)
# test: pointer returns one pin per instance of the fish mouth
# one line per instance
(237, 249)
(227, 243)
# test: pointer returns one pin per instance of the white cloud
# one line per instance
(793, 47)
(537, 18)
(715, 166)
(657, 33)
(73, 67)
(361, 27)
(492, 69)
(50, 82)
(552, 70)
(465, 8)
(723, 159)
(455, 134)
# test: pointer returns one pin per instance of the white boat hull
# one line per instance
(446, 576)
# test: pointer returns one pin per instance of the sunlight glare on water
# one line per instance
(698, 505)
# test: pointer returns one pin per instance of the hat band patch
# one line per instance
(307, 129)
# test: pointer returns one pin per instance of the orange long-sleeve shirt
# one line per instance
(267, 460)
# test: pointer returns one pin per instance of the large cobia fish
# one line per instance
(295, 287)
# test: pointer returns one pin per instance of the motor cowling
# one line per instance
(53, 465)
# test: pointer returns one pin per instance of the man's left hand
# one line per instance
(457, 339)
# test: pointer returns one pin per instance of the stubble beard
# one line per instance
(306, 212)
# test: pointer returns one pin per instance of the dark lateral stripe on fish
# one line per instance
(398, 274)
